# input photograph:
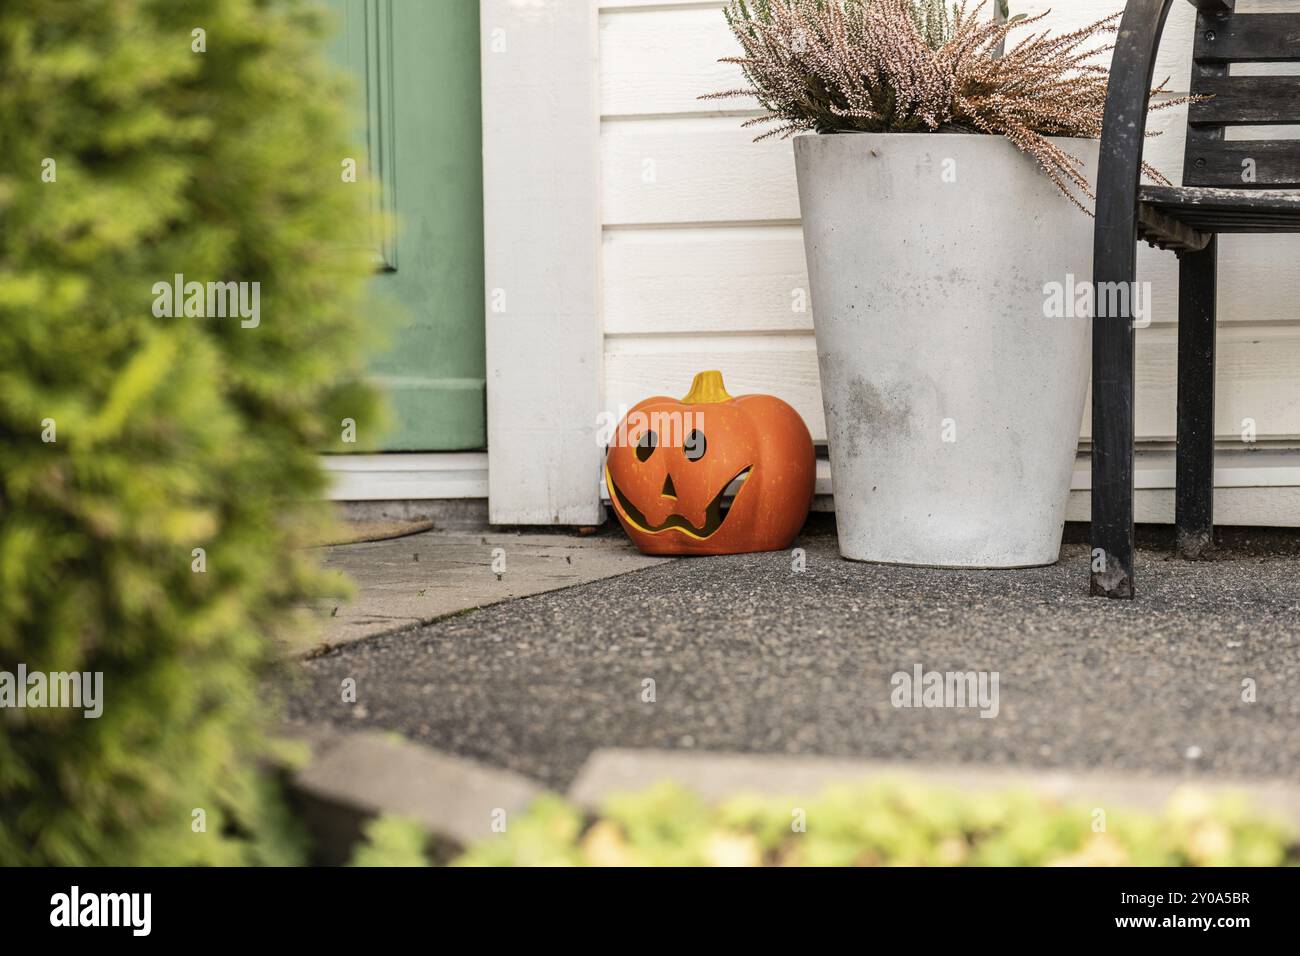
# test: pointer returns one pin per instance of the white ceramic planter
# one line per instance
(952, 402)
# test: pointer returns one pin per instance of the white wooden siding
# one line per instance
(702, 258)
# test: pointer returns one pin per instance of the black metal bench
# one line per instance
(1228, 186)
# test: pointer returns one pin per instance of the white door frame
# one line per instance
(541, 251)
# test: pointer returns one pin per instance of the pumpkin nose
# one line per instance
(669, 491)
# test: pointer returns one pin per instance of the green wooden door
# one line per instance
(417, 69)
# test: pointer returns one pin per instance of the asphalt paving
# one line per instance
(766, 653)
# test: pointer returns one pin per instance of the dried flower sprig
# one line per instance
(912, 66)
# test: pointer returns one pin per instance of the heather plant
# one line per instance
(916, 66)
(932, 22)
(159, 470)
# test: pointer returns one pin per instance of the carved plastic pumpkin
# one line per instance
(671, 462)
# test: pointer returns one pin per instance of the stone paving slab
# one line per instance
(718, 776)
(353, 777)
(419, 578)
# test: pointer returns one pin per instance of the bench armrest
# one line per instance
(1122, 135)
(1214, 6)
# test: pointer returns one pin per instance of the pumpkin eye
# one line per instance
(646, 446)
(695, 446)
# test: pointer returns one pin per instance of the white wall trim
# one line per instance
(542, 259)
(397, 477)
(1259, 487)
(1241, 467)
(1252, 486)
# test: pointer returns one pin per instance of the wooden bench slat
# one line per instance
(1275, 163)
(1253, 37)
(1247, 101)
(1225, 210)
(1278, 199)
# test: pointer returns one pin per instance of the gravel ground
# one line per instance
(747, 654)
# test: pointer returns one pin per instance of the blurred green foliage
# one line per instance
(392, 841)
(888, 823)
(171, 433)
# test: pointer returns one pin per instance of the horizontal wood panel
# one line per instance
(1274, 464)
(748, 279)
(656, 61)
(708, 169)
(784, 366)
(1247, 101)
(1267, 37)
(1257, 376)
(658, 58)
(694, 170)
(1256, 379)
(1233, 507)
(1245, 164)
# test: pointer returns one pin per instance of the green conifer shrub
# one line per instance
(135, 149)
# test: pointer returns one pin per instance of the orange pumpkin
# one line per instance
(671, 462)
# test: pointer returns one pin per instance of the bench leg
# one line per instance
(1194, 495)
(1112, 452)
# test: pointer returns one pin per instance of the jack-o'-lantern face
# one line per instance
(672, 462)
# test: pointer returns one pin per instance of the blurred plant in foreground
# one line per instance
(158, 472)
(392, 841)
(889, 823)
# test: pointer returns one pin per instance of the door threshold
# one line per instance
(407, 476)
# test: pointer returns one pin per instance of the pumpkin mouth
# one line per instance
(713, 514)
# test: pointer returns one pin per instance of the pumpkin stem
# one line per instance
(706, 389)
